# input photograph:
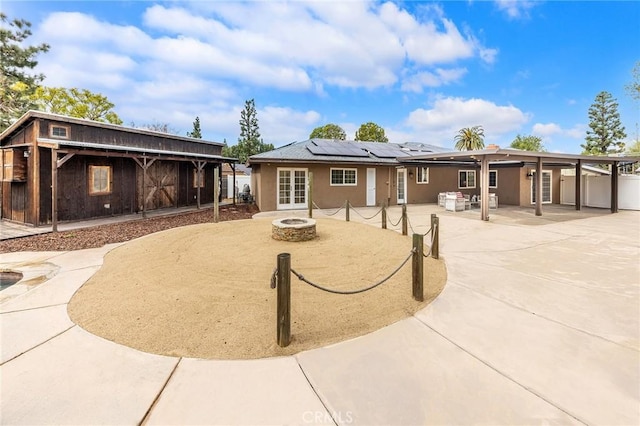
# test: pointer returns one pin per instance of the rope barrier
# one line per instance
(366, 218)
(433, 237)
(394, 224)
(362, 290)
(330, 214)
(413, 230)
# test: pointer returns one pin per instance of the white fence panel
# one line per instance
(596, 191)
(629, 192)
(241, 180)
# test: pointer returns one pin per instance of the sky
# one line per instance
(421, 70)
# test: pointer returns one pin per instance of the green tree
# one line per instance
(249, 142)
(328, 131)
(196, 133)
(371, 132)
(528, 143)
(17, 84)
(634, 149)
(606, 130)
(633, 88)
(79, 103)
(470, 138)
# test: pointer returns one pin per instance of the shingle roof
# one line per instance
(335, 151)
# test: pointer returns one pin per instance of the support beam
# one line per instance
(145, 164)
(614, 187)
(54, 189)
(538, 185)
(235, 187)
(216, 193)
(484, 188)
(579, 185)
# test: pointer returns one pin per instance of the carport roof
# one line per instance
(511, 155)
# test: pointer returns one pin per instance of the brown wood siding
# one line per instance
(160, 186)
(74, 201)
(123, 137)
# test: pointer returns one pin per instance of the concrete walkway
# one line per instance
(539, 324)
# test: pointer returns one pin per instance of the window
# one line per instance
(57, 131)
(99, 180)
(343, 177)
(546, 187)
(466, 179)
(422, 175)
(493, 178)
(198, 182)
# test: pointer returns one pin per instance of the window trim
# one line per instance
(496, 173)
(343, 170)
(418, 174)
(67, 130)
(467, 171)
(91, 181)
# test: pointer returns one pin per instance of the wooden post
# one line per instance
(347, 211)
(283, 307)
(404, 219)
(435, 231)
(216, 194)
(579, 185)
(417, 270)
(614, 187)
(144, 186)
(384, 216)
(310, 195)
(54, 190)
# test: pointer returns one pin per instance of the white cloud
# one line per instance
(439, 124)
(515, 9)
(416, 83)
(552, 129)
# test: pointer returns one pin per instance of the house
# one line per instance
(365, 173)
(370, 174)
(56, 167)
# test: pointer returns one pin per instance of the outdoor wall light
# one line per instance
(529, 174)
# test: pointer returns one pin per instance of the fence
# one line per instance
(281, 277)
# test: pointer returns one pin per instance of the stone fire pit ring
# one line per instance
(293, 229)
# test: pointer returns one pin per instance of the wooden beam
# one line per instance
(538, 184)
(64, 159)
(216, 193)
(235, 188)
(54, 189)
(614, 187)
(579, 185)
(35, 181)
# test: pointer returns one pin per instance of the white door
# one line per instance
(402, 186)
(371, 187)
(292, 189)
(546, 187)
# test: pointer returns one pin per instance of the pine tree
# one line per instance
(607, 131)
(249, 142)
(196, 133)
(16, 84)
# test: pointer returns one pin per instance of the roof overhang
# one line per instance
(135, 151)
(511, 155)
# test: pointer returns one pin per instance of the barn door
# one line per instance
(160, 185)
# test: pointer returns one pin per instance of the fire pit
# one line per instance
(293, 229)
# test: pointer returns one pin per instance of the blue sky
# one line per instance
(421, 70)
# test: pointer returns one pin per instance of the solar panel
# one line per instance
(342, 149)
(384, 150)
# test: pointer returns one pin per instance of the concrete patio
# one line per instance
(539, 323)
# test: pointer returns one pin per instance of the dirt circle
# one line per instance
(204, 291)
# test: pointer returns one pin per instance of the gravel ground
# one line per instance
(98, 236)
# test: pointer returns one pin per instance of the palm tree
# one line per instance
(470, 138)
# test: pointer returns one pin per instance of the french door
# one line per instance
(292, 189)
(402, 186)
(546, 187)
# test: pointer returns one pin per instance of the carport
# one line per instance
(496, 156)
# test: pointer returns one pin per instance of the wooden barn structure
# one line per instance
(59, 168)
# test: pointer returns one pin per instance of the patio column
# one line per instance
(579, 185)
(538, 185)
(484, 188)
(54, 190)
(614, 187)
